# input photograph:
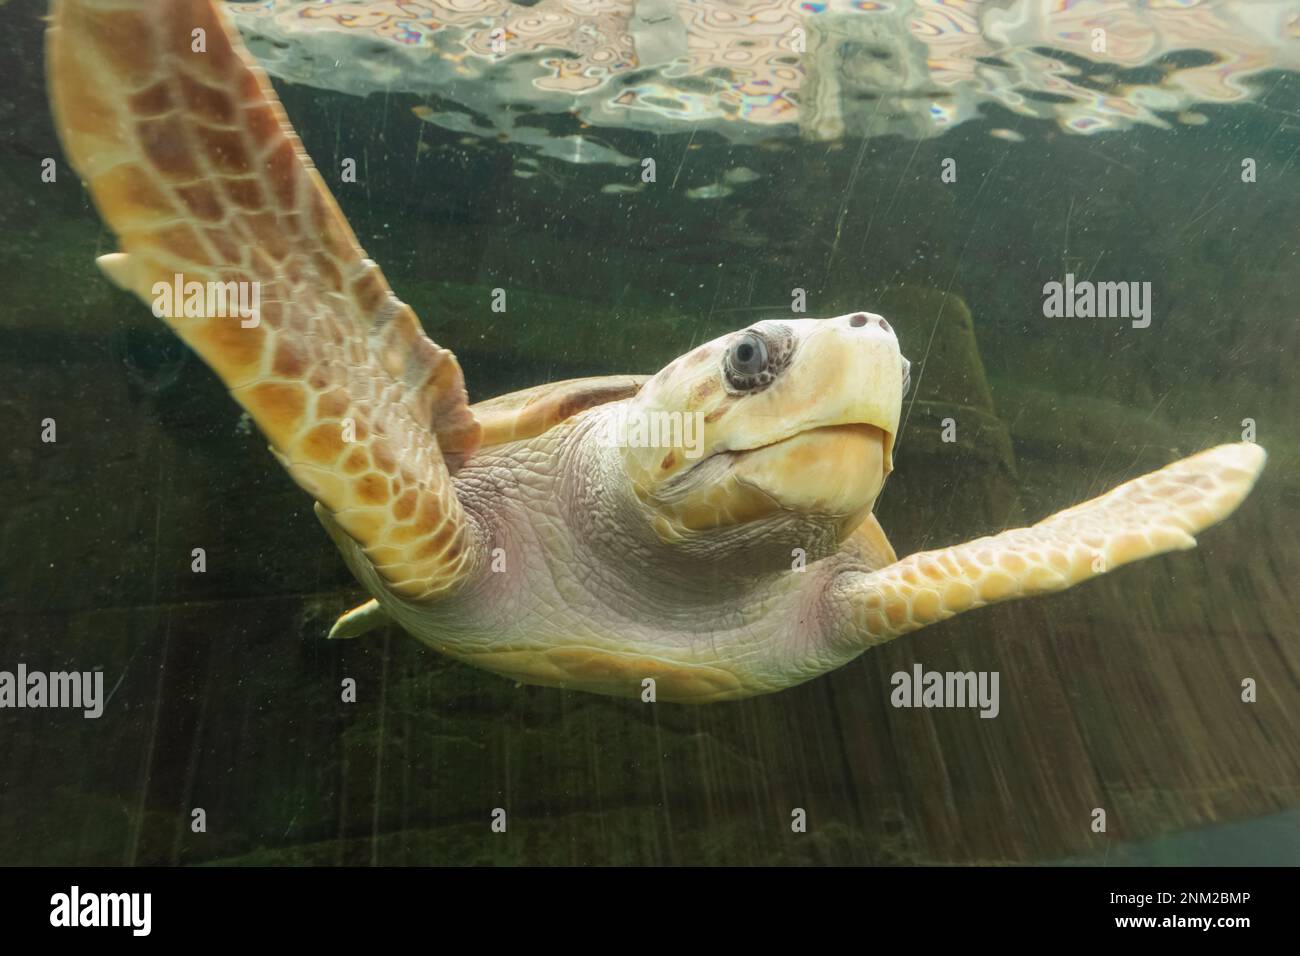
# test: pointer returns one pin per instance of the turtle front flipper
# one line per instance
(192, 162)
(1147, 516)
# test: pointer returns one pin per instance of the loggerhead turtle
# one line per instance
(524, 535)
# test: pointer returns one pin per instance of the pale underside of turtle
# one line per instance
(548, 535)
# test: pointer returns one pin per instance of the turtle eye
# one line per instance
(746, 360)
(755, 358)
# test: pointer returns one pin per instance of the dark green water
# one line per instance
(1123, 693)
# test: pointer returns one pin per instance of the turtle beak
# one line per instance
(839, 408)
(889, 436)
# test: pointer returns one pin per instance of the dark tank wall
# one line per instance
(1123, 694)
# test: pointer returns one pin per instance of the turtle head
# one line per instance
(783, 418)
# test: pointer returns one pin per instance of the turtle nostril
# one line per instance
(885, 325)
(857, 321)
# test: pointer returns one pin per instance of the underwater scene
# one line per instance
(650, 432)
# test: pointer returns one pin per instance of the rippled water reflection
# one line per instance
(912, 68)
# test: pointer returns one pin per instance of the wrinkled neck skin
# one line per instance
(582, 567)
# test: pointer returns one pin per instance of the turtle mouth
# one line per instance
(855, 430)
(828, 439)
(828, 470)
(809, 450)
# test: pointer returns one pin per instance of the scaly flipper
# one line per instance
(192, 162)
(1147, 516)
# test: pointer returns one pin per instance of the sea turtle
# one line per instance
(548, 535)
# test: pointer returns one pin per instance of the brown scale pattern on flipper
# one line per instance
(1150, 515)
(190, 159)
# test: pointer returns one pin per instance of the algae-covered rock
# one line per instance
(951, 440)
(937, 334)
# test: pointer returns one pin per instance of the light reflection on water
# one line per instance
(912, 68)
